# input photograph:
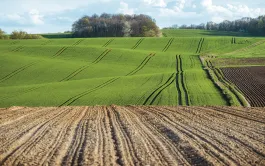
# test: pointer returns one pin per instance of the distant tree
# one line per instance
(255, 26)
(23, 35)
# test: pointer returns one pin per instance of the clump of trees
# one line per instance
(116, 25)
(3, 35)
(255, 26)
(19, 35)
(23, 35)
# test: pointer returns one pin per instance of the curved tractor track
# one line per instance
(132, 135)
(106, 83)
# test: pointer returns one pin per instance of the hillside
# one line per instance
(104, 71)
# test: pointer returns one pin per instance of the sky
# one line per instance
(52, 16)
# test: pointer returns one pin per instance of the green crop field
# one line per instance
(121, 71)
(200, 33)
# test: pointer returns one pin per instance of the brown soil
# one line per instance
(251, 81)
(132, 135)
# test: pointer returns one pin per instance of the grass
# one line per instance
(105, 71)
(200, 33)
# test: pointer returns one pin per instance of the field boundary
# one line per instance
(231, 94)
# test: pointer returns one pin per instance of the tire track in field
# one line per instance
(17, 71)
(42, 137)
(125, 142)
(79, 70)
(168, 45)
(32, 133)
(220, 137)
(46, 43)
(59, 52)
(78, 42)
(22, 92)
(142, 65)
(18, 49)
(199, 48)
(150, 142)
(138, 43)
(199, 139)
(153, 96)
(108, 43)
(55, 154)
(233, 40)
(176, 150)
(80, 95)
(106, 83)
(76, 153)
(180, 82)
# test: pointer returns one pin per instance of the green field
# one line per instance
(200, 33)
(121, 71)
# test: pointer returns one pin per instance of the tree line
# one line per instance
(255, 26)
(18, 35)
(115, 25)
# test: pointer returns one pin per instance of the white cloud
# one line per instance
(155, 3)
(35, 17)
(179, 5)
(219, 13)
(124, 8)
(206, 3)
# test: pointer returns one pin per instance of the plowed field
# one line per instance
(251, 81)
(132, 135)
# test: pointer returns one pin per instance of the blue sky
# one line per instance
(44, 16)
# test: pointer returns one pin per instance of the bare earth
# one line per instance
(251, 81)
(132, 135)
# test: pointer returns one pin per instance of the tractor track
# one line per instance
(106, 83)
(199, 48)
(138, 43)
(79, 70)
(108, 43)
(180, 83)
(153, 96)
(17, 71)
(168, 45)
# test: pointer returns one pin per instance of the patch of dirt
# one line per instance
(251, 81)
(132, 135)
